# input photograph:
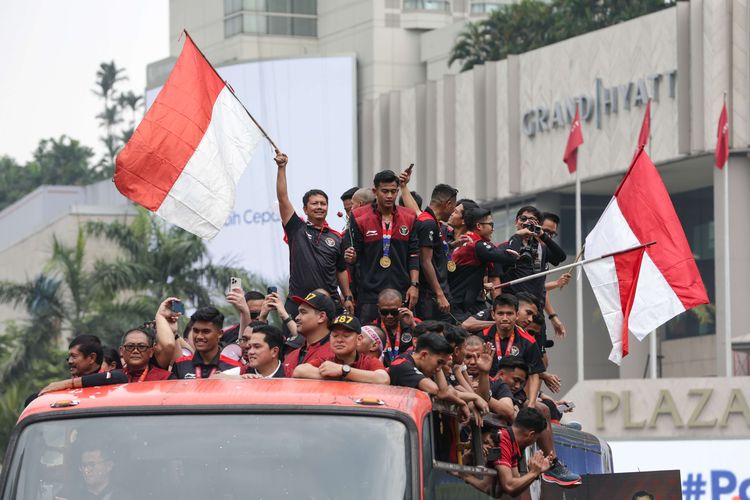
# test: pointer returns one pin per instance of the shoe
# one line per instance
(560, 475)
(574, 425)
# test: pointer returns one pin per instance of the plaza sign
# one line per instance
(604, 101)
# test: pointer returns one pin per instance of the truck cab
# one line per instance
(235, 439)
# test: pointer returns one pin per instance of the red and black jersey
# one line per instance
(430, 234)
(320, 349)
(404, 372)
(510, 453)
(472, 261)
(191, 367)
(316, 255)
(367, 236)
(519, 343)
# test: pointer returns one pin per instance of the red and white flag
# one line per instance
(666, 278)
(185, 158)
(575, 139)
(722, 139)
(645, 127)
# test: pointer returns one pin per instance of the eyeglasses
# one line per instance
(491, 224)
(524, 218)
(388, 312)
(89, 466)
(138, 347)
(550, 232)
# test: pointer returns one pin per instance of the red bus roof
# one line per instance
(220, 392)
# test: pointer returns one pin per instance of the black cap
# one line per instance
(318, 301)
(348, 322)
(349, 193)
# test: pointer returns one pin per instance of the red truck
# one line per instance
(244, 439)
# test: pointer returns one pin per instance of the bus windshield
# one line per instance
(221, 456)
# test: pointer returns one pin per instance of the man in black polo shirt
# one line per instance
(509, 340)
(434, 255)
(207, 331)
(385, 248)
(316, 254)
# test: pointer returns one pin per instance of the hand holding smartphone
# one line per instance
(177, 307)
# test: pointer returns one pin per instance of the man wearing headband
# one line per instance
(371, 341)
(347, 364)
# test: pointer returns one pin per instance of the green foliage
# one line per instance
(530, 24)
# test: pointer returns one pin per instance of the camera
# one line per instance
(534, 228)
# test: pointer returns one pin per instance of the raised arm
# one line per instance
(285, 206)
(166, 330)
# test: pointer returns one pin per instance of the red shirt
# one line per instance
(151, 373)
(509, 451)
(368, 363)
(320, 349)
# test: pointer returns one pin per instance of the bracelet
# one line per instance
(348, 297)
(288, 319)
(415, 284)
(552, 316)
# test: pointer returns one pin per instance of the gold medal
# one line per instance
(385, 262)
(451, 266)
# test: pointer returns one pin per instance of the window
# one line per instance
(484, 7)
(220, 456)
(271, 17)
(431, 5)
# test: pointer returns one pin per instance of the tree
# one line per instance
(530, 24)
(107, 77)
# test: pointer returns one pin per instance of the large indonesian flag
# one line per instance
(666, 281)
(185, 158)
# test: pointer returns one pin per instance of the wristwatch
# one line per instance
(415, 284)
(345, 371)
(552, 316)
(348, 297)
(288, 319)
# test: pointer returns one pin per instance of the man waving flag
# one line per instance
(640, 290)
(185, 158)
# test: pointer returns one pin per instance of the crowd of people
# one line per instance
(405, 296)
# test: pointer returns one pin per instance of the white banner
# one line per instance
(308, 107)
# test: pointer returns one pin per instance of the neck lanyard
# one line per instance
(141, 378)
(392, 352)
(199, 372)
(507, 347)
(385, 260)
(446, 249)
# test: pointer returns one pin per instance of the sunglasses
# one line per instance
(136, 347)
(388, 312)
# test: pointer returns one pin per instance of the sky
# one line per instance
(51, 52)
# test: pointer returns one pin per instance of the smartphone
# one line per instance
(234, 283)
(271, 289)
(410, 167)
(562, 408)
(177, 307)
(493, 454)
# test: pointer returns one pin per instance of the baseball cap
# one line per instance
(317, 301)
(348, 322)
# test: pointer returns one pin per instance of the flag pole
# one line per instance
(574, 264)
(579, 284)
(729, 369)
(262, 131)
(652, 344)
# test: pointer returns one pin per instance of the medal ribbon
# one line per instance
(387, 231)
(392, 352)
(446, 248)
(508, 347)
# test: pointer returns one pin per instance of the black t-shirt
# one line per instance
(315, 256)
(500, 389)
(431, 235)
(524, 346)
(192, 367)
(404, 372)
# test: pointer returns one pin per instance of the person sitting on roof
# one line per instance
(423, 369)
(315, 313)
(347, 364)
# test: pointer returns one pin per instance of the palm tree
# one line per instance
(159, 261)
(131, 101)
(107, 77)
(471, 47)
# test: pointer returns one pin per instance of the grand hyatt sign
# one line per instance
(604, 101)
